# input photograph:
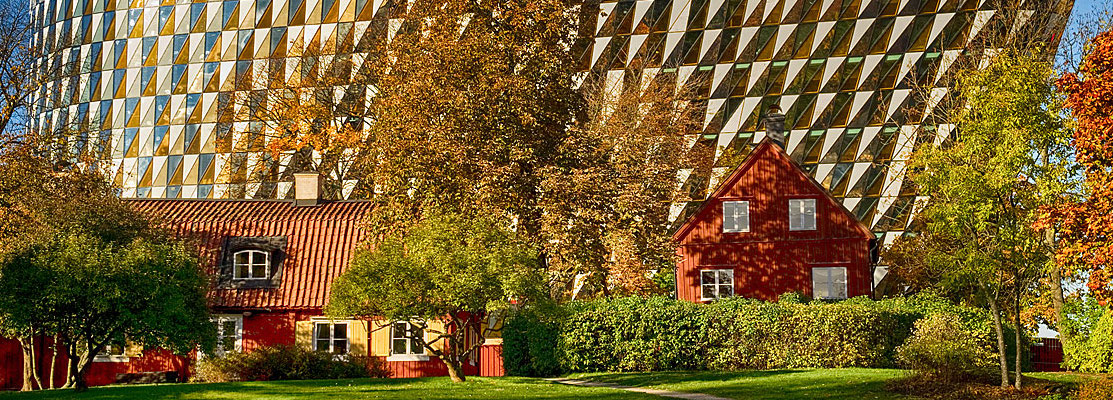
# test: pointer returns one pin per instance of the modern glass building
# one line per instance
(151, 75)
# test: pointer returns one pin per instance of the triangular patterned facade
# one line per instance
(152, 74)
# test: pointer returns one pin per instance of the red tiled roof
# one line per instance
(319, 242)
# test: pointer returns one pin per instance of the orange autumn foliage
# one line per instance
(1086, 226)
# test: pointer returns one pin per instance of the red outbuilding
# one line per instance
(273, 263)
(771, 229)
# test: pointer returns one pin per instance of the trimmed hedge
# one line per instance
(659, 334)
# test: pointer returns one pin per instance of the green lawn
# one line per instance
(850, 383)
(422, 388)
(853, 383)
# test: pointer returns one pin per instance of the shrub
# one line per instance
(633, 334)
(942, 349)
(657, 333)
(285, 363)
(529, 339)
(1091, 350)
(755, 335)
(1097, 389)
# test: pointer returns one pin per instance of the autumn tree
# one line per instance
(474, 108)
(1085, 225)
(1006, 158)
(449, 268)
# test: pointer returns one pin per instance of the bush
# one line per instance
(942, 349)
(1091, 350)
(657, 333)
(285, 363)
(1097, 389)
(529, 339)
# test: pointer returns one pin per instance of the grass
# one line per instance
(850, 383)
(420, 388)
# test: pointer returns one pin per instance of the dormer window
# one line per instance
(736, 216)
(251, 264)
(801, 215)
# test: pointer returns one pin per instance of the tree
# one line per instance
(79, 264)
(473, 107)
(1085, 225)
(988, 179)
(447, 268)
(19, 78)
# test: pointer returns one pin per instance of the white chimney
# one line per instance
(307, 188)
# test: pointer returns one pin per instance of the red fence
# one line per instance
(1047, 354)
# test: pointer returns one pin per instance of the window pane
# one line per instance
(417, 332)
(794, 214)
(322, 331)
(819, 283)
(228, 343)
(398, 346)
(340, 331)
(241, 258)
(730, 221)
(708, 291)
(707, 277)
(241, 271)
(258, 257)
(258, 271)
(399, 330)
(228, 327)
(726, 291)
(726, 276)
(340, 346)
(321, 345)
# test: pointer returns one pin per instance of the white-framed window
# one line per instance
(716, 283)
(801, 214)
(402, 345)
(229, 333)
(829, 282)
(113, 352)
(251, 264)
(331, 337)
(736, 216)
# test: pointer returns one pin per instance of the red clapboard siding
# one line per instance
(770, 260)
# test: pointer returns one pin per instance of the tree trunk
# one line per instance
(996, 313)
(53, 359)
(26, 344)
(35, 364)
(1056, 274)
(70, 365)
(1016, 334)
(455, 368)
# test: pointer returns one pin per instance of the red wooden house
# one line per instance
(771, 229)
(273, 263)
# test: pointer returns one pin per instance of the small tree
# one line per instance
(988, 179)
(450, 268)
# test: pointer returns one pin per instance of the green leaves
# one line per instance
(447, 264)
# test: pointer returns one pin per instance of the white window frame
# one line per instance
(735, 205)
(824, 276)
(219, 321)
(106, 355)
(237, 266)
(411, 354)
(716, 283)
(332, 339)
(802, 220)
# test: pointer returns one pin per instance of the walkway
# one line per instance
(658, 392)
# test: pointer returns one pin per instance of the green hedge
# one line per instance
(656, 334)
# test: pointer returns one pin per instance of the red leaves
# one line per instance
(1087, 226)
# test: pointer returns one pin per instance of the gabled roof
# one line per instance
(766, 149)
(319, 242)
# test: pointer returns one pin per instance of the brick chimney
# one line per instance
(307, 188)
